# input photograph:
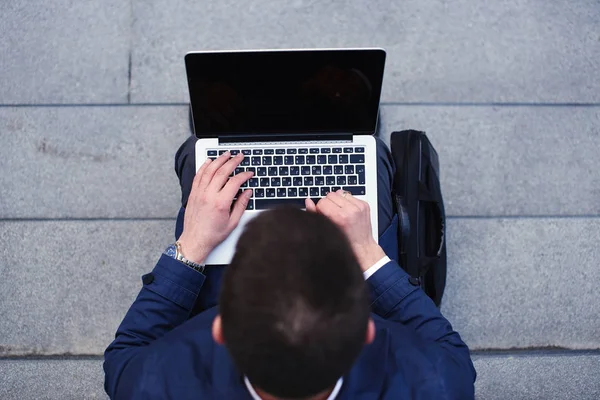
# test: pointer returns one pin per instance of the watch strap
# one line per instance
(179, 257)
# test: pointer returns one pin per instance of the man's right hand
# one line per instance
(354, 217)
(209, 217)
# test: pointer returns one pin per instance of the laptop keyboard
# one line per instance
(287, 176)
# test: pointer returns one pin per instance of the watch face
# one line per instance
(171, 251)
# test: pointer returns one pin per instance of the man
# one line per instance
(296, 319)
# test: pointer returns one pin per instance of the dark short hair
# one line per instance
(294, 304)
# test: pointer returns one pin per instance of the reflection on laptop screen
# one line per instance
(261, 92)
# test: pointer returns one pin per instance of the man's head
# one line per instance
(294, 306)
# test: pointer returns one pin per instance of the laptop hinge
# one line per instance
(330, 137)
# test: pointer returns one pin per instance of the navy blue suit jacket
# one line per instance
(161, 353)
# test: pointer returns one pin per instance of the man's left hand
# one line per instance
(354, 217)
(209, 217)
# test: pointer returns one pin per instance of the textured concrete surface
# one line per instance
(64, 51)
(511, 282)
(531, 377)
(538, 377)
(518, 283)
(511, 160)
(67, 285)
(51, 379)
(90, 162)
(460, 51)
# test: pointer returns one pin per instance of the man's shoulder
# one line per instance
(190, 344)
(394, 340)
(187, 355)
(397, 363)
(195, 332)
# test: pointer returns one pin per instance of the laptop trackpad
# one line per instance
(223, 253)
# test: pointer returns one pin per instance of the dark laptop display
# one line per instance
(285, 92)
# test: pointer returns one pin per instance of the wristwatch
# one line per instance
(174, 251)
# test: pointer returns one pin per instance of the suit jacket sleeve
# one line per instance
(167, 296)
(396, 299)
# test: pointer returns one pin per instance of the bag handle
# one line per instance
(426, 196)
(403, 222)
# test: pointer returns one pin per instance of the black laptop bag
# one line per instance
(420, 208)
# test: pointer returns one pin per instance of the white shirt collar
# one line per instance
(332, 396)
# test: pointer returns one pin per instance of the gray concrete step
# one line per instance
(514, 50)
(537, 377)
(460, 51)
(64, 51)
(67, 284)
(511, 160)
(66, 379)
(90, 162)
(506, 377)
(511, 282)
(99, 162)
(528, 282)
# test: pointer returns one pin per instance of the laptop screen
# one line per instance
(285, 91)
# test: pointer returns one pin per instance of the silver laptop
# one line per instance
(304, 119)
